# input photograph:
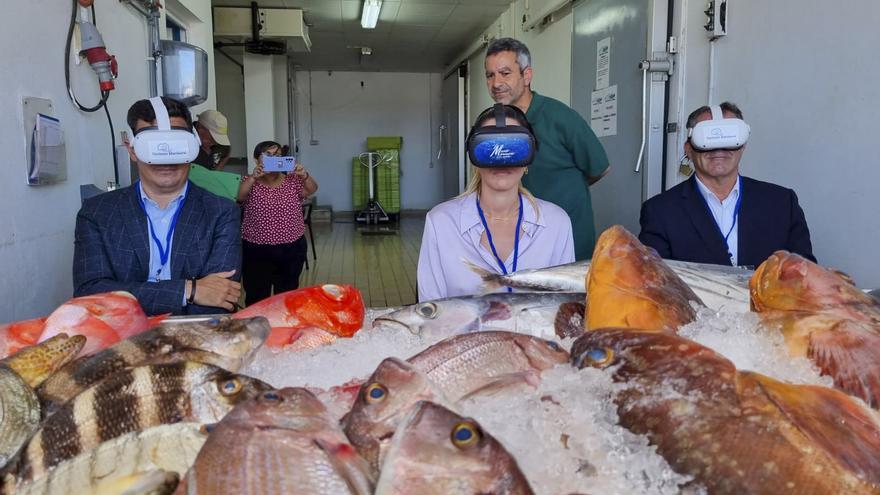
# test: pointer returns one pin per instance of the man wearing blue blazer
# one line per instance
(718, 216)
(174, 245)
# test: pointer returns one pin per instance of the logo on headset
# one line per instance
(499, 152)
(168, 149)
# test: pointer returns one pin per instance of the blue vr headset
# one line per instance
(501, 145)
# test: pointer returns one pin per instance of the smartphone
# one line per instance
(278, 163)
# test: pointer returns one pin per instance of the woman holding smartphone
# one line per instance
(272, 226)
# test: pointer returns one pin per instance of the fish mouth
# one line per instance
(393, 323)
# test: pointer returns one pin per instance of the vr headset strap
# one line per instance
(163, 122)
(717, 113)
(500, 119)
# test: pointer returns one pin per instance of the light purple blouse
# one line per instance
(452, 234)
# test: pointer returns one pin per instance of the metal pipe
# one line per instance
(155, 49)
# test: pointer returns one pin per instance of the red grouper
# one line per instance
(822, 316)
(735, 431)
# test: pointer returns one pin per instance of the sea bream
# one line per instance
(718, 286)
(19, 374)
(447, 372)
(223, 342)
(435, 451)
(133, 400)
(825, 317)
(171, 448)
(735, 431)
(547, 315)
(281, 442)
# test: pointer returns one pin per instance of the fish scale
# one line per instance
(225, 343)
(129, 401)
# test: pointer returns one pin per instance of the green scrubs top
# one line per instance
(568, 153)
(223, 184)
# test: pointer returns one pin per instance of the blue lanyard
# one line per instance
(164, 251)
(515, 238)
(736, 208)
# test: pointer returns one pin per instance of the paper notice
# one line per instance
(603, 63)
(603, 111)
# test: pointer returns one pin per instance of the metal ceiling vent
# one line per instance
(262, 31)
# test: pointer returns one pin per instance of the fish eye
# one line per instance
(465, 434)
(230, 387)
(554, 346)
(597, 357)
(271, 396)
(335, 292)
(375, 393)
(428, 310)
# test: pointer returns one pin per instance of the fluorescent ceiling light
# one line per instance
(370, 16)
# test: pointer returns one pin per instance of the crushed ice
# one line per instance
(564, 434)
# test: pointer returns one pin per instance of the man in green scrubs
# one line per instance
(569, 157)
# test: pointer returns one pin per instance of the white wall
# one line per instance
(36, 228)
(230, 99)
(809, 94)
(344, 113)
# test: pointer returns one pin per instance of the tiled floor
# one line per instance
(379, 261)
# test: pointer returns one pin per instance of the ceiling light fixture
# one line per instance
(370, 15)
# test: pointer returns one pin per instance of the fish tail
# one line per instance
(491, 281)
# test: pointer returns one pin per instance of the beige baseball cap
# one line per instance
(216, 124)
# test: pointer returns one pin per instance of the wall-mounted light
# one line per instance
(370, 15)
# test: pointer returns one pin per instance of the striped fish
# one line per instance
(225, 343)
(133, 400)
(169, 448)
(19, 407)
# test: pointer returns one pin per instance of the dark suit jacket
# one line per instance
(679, 225)
(112, 251)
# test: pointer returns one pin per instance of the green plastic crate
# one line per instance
(376, 143)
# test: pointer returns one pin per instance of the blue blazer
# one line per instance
(112, 251)
(679, 225)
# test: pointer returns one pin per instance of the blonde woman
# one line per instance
(496, 223)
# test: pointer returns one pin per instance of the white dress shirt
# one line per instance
(725, 215)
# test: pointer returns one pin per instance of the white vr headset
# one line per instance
(719, 133)
(162, 144)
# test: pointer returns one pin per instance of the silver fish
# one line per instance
(547, 315)
(171, 448)
(717, 286)
(435, 451)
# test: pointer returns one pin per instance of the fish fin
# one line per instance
(154, 321)
(500, 383)
(848, 431)
(491, 281)
(569, 320)
(349, 464)
(497, 311)
(848, 352)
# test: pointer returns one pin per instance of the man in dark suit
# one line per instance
(174, 245)
(720, 217)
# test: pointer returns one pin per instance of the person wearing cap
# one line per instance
(213, 129)
(718, 216)
(570, 157)
(173, 245)
(495, 225)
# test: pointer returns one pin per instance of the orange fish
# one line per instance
(735, 432)
(17, 335)
(103, 319)
(310, 317)
(824, 317)
(630, 286)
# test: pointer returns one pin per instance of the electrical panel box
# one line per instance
(716, 18)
